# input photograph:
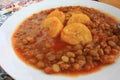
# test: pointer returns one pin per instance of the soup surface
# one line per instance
(71, 39)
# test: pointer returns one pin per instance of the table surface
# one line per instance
(9, 7)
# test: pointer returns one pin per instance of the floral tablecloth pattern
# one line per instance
(8, 7)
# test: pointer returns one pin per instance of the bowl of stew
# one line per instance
(62, 40)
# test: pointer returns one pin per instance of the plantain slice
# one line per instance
(52, 26)
(76, 33)
(79, 18)
(59, 14)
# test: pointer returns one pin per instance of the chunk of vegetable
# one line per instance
(79, 18)
(52, 26)
(59, 14)
(75, 33)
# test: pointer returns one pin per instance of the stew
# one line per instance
(70, 39)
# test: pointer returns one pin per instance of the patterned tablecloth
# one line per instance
(8, 7)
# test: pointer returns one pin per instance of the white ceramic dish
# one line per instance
(20, 71)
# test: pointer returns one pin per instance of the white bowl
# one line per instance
(20, 71)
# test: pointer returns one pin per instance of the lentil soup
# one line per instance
(71, 39)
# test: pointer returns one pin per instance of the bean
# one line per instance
(85, 51)
(87, 67)
(20, 33)
(22, 47)
(112, 43)
(48, 70)
(60, 62)
(33, 61)
(89, 58)
(101, 52)
(107, 50)
(50, 56)
(64, 66)
(113, 25)
(81, 62)
(94, 53)
(105, 26)
(70, 54)
(24, 41)
(30, 39)
(118, 48)
(103, 44)
(81, 57)
(98, 47)
(113, 38)
(97, 21)
(94, 31)
(102, 26)
(41, 64)
(115, 51)
(96, 58)
(95, 38)
(108, 59)
(58, 56)
(89, 45)
(39, 56)
(65, 58)
(56, 68)
(65, 10)
(76, 47)
(79, 52)
(72, 60)
(76, 66)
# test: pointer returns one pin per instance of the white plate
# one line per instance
(20, 71)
